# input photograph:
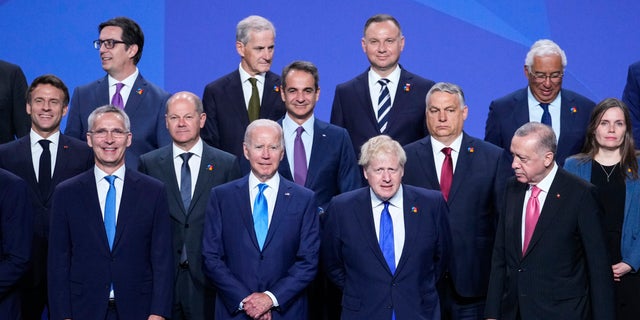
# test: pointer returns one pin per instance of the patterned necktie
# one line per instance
(531, 218)
(546, 116)
(110, 210)
(44, 171)
(116, 100)
(261, 215)
(254, 101)
(446, 174)
(299, 159)
(185, 180)
(384, 105)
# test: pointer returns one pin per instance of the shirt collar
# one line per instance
(545, 183)
(99, 174)
(455, 145)
(35, 137)
(196, 149)
(289, 126)
(244, 76)
(393, 77)
(272, 183)
(395, 201)
(128, 81)
(533, 102)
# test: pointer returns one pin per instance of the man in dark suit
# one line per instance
(14, 121)
(472, 179)
(386, 245)
(261, 236)
(631, 97)
(248, 93)
(15, 236)
(385, 99)
(320, 158)
(550, 259)
(120, 44)
(110, 239)
(545, 101)
(205, 168)
(43, 170)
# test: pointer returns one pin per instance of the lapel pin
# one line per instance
(558, 195)
(67, 147)
(414, 209)
(470, 149)
(139, 91)
(286, 194)
(574, 110)
(407, 87)
(210, 167)
(276, 88)
(324, 135)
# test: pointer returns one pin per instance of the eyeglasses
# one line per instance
(102, 133)
(555, 77)
(108, 43)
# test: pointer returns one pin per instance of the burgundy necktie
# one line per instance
(446, 175)
(299, 159)
(117, 97)
(531, 218)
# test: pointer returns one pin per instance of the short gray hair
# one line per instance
(448, 88)
(108, 109)
(261, 123)
(545, 136)
(378, 145)
(543, 48)
(255, 24)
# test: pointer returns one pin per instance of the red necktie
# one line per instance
(531, 218)
(446, 175)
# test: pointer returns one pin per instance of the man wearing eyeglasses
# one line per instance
(43, 159)
(544, 101)
(120, 45)
(110, 238)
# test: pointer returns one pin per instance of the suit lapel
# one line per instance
(319, 147)
(427, 163)
(24, 152)
(235, 93)
(550, 210)
(101, 93)
(92, 203)
(567, 119)
(279, 210)
(205, 176)
(521, 102)
(136, 95)
(400, 99)
(128, 204)
(165, 161)
(270, 95)
(361, 86)
(411, 228)
(244, 208)
(465, 158)
(366, 224)
(513, 215)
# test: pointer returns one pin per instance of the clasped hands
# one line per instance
(258, 306)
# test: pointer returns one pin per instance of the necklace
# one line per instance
(608, 173)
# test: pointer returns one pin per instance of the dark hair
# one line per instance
(299, 65)
(381, 18)
(628, 161)
(52, 80)
(131, 33)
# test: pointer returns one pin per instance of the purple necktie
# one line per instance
(299, 159)
(117, 97)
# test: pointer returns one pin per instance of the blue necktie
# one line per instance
(546, 116)
(386, 237)
(110, 210)
(261, 215)
(185, 180)
(384, 105)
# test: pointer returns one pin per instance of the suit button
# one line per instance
(520, 270)
(394, 284)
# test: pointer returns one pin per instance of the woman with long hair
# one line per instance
(609, 161)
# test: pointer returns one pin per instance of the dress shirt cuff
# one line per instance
(273, 298)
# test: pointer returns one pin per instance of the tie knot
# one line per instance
(185, 156)
(535, 191)
(261, 187)
(386, 205)
(119, 86)
(110, 179)
(446, 151)
(544, 106)
(299, 131)
(44, 143)
(383, 82)
(253, 81)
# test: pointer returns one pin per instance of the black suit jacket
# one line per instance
(477, 190)
(565, 273)
(216, 167)
(227, 117)
(353, 111)
(14, 120)
(74, 157)
(510, 112)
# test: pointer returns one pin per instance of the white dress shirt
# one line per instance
(438, 155)
(194, 163)
(535, 111)
(126, 89)
(246, 85)
(289, 128)
(375, 87)
(544, 186)
(396, 210)
(36, 150)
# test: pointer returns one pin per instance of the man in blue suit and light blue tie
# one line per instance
(544, 101)
(386, 245)
(43, 170)
(248, 93)
(110, 251)
(120, 44)
(261, 236)
(386, 99)
(471, 174)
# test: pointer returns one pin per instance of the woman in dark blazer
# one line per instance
(610, 162)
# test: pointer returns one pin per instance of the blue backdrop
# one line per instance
(479, 45)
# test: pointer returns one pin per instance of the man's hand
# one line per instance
(619, 270)
(265, 316)
(257, 304)
(155, 317)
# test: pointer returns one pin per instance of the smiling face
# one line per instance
(611, 129)
(264, 150)
(184, 122)
(445, 118)
(300, 95)
(109, 149)
(382, 43)
(384, 175)
(547, 89)
(117, 61)
(257, 54)
(46, 109)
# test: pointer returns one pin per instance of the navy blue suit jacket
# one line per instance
(74, 157)
(565, 273)
(14, 120)
(216, 167)
(480, 175)
(631, 97)
(288, 260)
(354, 262)
(510, 112)
(145, 107)
(15, 236)
(227, 117)
(353, 111)
(333, 168)
(81, 266)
